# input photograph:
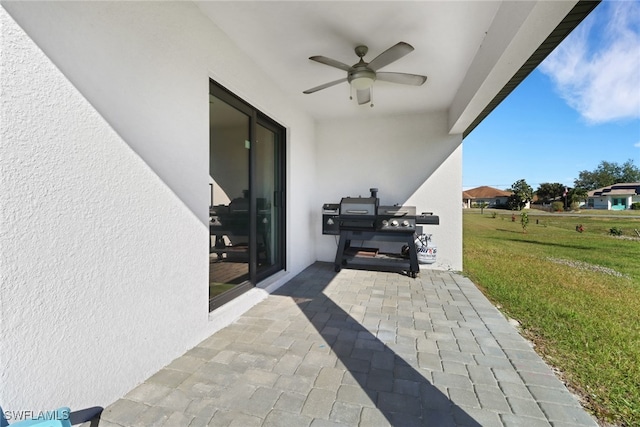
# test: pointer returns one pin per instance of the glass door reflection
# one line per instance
(229, 253)
(268, 199)
(246, 181)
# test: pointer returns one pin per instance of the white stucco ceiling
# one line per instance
(451, 40)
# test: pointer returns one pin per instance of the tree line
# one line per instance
(606, 174)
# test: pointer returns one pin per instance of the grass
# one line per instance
(592, 212)
(217, 288)
(577, 296)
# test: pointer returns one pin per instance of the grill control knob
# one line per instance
(405, 223)
(394, 223)
(329, 221)
(385, 223)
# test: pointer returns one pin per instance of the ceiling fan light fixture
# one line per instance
(362, 78)
(361, 83)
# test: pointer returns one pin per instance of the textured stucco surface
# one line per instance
(88, 237)
(104, 161)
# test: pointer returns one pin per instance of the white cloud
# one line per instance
(637, 144)
(602, 81)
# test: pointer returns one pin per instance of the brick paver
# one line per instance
(358, 348)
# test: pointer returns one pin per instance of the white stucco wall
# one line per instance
(411, 159)
(104, 190)
(104, 193)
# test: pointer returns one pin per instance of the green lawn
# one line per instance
(577, 296)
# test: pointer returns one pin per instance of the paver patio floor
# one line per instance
(358, 348)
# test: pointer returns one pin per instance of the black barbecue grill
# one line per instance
(362, 218)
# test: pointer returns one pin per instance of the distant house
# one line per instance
(493, 197)
(615, 197)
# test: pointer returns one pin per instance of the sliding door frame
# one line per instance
(258, 118)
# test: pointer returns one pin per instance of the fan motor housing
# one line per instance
(361, 72)
(361, 50)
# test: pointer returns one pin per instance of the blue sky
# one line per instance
(579, 107)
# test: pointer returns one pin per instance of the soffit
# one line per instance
(279, 36)
(448, 38)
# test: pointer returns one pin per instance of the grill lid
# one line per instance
(397, 211)
(358, 206)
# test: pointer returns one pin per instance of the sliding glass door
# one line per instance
(246, 181)
(268, 199)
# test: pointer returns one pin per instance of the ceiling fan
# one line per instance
(362, 74)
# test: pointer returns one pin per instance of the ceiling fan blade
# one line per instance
(326, 85)
(364, 96)
(330, 62)
(392, 54)
(402, 78)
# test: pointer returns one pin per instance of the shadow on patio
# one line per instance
(358, 348)
(395, 386)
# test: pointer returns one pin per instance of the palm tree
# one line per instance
(578, 195)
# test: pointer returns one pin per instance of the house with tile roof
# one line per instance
(493, 197)
(615, 197)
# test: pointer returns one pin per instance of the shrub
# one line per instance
(557, 206)
(635, 206)
(524, 220)
(615, 231)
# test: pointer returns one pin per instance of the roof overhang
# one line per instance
(561, 31)
(473, 52)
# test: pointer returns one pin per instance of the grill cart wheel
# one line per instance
(337, 268)
(405, 251)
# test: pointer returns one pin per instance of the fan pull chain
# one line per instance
(371, 96)
(350, 92)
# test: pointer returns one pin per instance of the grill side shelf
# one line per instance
(427, 218)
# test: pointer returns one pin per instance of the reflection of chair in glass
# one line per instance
(58, 418)
(230, 226)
